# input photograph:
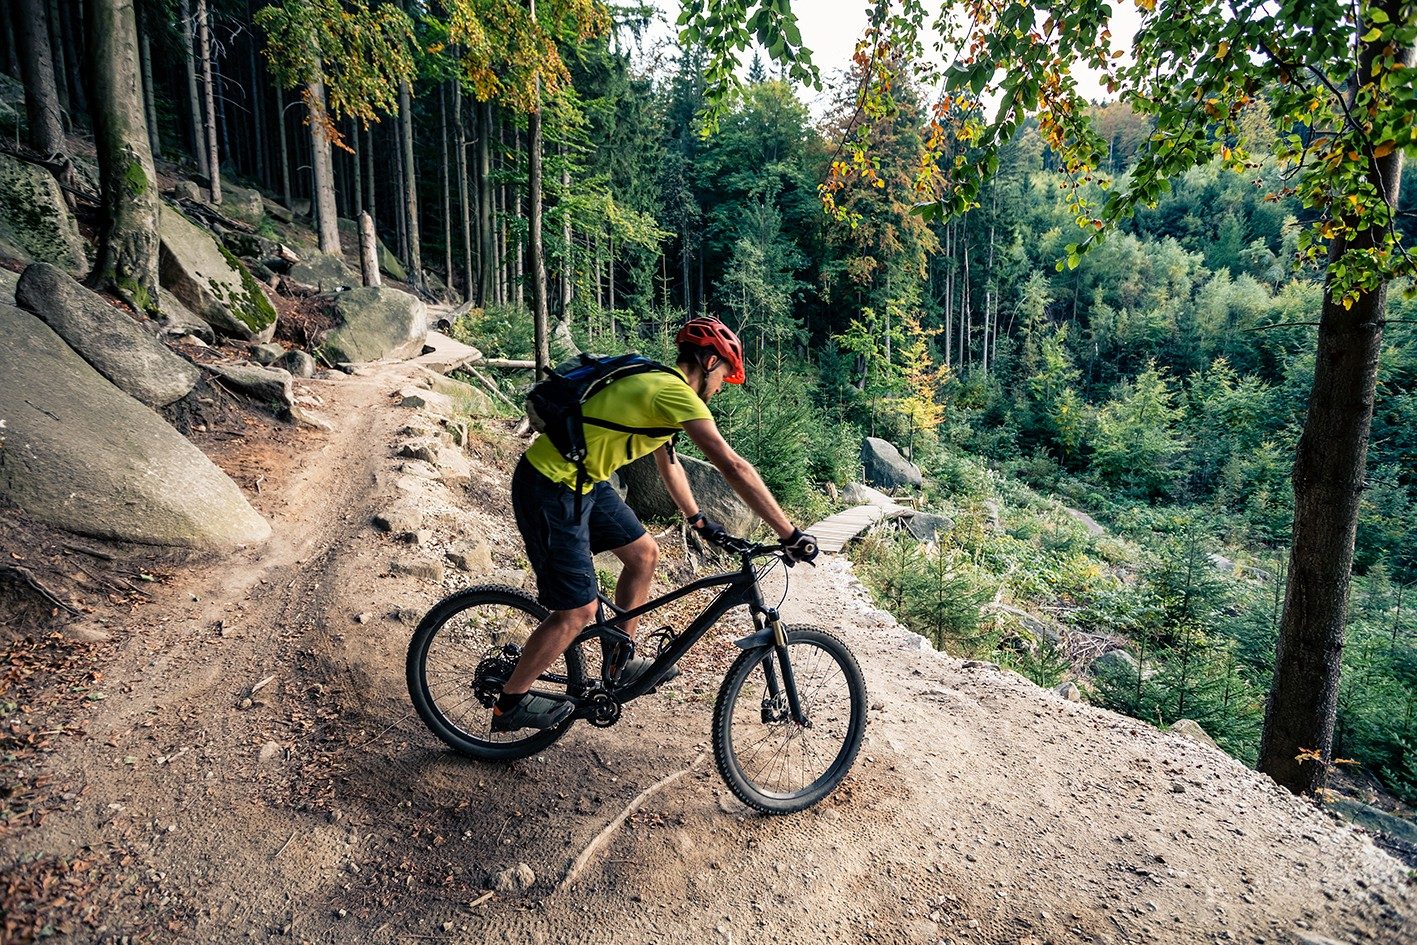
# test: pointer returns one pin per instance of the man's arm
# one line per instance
(672, 472)
(739, 473)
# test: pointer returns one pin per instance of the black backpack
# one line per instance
(554, 405)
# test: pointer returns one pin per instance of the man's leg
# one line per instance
(639, 558)
(547, 642)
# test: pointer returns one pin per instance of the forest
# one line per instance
(1159, 382)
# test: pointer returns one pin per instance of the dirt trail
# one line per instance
(317, 809)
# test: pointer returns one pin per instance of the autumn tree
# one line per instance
(349, 61)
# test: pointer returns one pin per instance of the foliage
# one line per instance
(360, 54)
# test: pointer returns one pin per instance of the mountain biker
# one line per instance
(560, 543)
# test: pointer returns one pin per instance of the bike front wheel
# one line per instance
(771, 761)
(460, 656)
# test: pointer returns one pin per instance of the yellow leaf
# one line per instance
(1384, 149)
(1222, 49)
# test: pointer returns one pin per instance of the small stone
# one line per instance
(271, 751)
(427, 451)
(298, 363)
(87, 634)
(364, 617)
(1069, 691)
(516, 880)
(244, 704)
(267, 354)
(424, 569)
(470, 555)
(399, 520)
(406, 615)
(421, 537)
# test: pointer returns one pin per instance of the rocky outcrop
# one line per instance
(1190, 728)
(211, 282)
(645, 493)
(82, 455)
(1117, 664)
(374, 324)
(107, 338)
(35, 217)
(885, 467)
(320, 272)
(8, 282)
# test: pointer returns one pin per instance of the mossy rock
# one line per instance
(210, 281)
(35, 217)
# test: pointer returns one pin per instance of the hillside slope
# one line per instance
(209, 803)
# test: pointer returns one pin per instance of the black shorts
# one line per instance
(559, 545)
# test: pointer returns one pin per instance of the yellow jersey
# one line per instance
(651, 399)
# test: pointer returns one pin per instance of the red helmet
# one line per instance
(714, 334)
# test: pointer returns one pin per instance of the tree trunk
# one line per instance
(69, 27)
(464, 193)
(128, 240)
(258, 104)
(286, 198)
(42, 111)
(357, 166)
(487, 253)
(1330, 467)
(410, 187)
(568, 262)
(370, 190)
(447, 195)
(7, 35)
(322, 199)
(149, 101)
(204, 58)
(61, 62)
(194, 106)
(540, 317)
(368, 251)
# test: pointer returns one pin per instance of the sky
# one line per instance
(830, 29)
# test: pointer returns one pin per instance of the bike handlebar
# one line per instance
(750, 550)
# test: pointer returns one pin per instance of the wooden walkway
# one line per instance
(834, 532)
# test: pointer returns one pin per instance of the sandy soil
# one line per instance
(253, 771)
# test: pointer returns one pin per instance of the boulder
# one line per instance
(854, 493)
(105, 337)
(645, 493)
(190, 190)
(269, 385)
(266, 354)
(885, 467)
(1116, 664)
(465, 397)
(389, 264)
(242, 203)
(177, 319)
(82, 455)
(276, 212)
(927, 526)
(298, 363)
(1189, 728)
(35, 217)
(251, 246)
(321, 272)
(212, 282)
(376, 323)
(8, 282)
(1374, 820)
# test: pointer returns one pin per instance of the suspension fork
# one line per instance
(769, 621)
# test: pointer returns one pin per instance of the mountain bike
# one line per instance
(790, 713)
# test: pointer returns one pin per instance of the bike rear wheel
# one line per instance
(770, 761)
(462, 653)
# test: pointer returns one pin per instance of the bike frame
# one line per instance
(739, 588)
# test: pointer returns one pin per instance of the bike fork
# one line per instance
(788, 684)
